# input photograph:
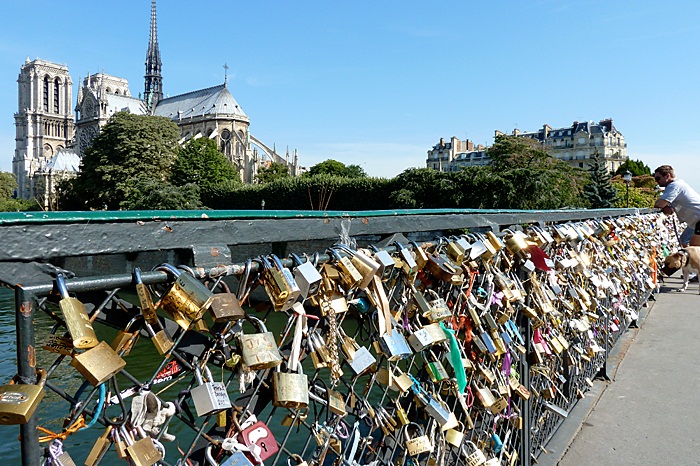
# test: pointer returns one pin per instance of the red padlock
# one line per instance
(259, 437)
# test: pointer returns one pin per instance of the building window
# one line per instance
(580, 164)
(46, 93)
(56, 86)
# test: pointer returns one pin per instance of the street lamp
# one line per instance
(628, 179)
(262, 204)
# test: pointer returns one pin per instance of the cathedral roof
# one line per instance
(119, 103)
(210, 101)
(65, 160)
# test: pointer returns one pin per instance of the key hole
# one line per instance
(263, 446)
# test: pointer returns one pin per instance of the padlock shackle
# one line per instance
(257, 322)
(61, 286)
(169, 269)
(136, 276)
(277, 261)
(296, 260)
(345, 248)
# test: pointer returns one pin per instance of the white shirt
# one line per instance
(684, 200)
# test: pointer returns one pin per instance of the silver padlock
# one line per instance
(306, 276)
(394, 345)
(362, 361)
(237, 458)
(209, 397)
(385, 261)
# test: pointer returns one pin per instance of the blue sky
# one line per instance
(377, 83)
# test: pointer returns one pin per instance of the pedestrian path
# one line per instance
(650, 413)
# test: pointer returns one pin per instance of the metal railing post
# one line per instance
(26, 370)
(526, 443)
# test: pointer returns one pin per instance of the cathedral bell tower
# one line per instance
(154, 80)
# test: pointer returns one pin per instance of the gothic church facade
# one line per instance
(46, 127)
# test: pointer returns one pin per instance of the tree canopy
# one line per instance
(129, 149)
(201, 163)
(636, 167)
(272, 172)
(335, 168)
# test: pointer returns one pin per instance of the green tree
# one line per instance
(335, 168)
(8, 184)
(129, 148)
(600, 192)
(201, 163)
(274, 171)
(149, 194)
(636, 167)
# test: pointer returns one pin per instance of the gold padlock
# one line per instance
(275, 284)
(290, 389)
(416, 445)
(98, 364)
(19, 401)
(187, 299)
(455, 436)
(76, 317)
(259, 350)
(126, 339)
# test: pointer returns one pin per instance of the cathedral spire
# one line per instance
(154, 81)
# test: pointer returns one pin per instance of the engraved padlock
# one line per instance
(418, 444)
(259, 350)
(438, 309)
(362, 361)
(275, 284)
(290, 389)
(292, 286)
(187, 299)
(98, 364)
(225, 307)
(394, 345)
(19, 401)
(148, 309)
(364, 264)
(350, 277)
(76, 317)
(142, 452)
(59, 344)
(209, 397)
(473, 456)
(307, 277)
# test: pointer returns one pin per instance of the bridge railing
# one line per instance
(556, 311)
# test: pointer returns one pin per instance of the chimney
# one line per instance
(442, 143)
(470, 145)
(545, 131)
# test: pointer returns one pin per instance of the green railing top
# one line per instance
(10, 218)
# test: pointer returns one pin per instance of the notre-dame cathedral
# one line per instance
(50, 139)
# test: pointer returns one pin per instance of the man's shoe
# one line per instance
(693, 278)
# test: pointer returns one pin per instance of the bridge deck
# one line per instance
(649, 413)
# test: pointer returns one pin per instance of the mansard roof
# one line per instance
(210, 101)
(120, 103)
(65, 160)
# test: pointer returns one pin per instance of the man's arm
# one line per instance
(661, 203)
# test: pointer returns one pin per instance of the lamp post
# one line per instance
(262, 204)
(628, 179)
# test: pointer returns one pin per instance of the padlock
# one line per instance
(474, 458)
(402, 381)
(225, 307)
(441, 267)
(362, 361)
(401, 414)
(421, 339)
(187, 299)
(59, 344)
(160, 339)
(290, 389)
(101, 444)
(260, 437)
(419, 255)
(148, 309)
(437, 308)
(516, 242)
(365, 265)
(237, 458)
(275, 284)
(294, 290)
(259, 350)
(385, 261)
(98, 364)
(295, 418)
(19, 401)
(419, 444)
(409, 265)
(143, 452)
(318, 351)
(208, 397)
(306, 276)
(350, 277)
(336, 403)
(394, 346)
(484, 395)
(76, 317)
(125, 339)
(57, 456)
(436, 371)
(455, 436)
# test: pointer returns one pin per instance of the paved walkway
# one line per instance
(650, 413)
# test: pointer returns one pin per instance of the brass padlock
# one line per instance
(208, 397)
(419, 444)
(148, 309)
(187, 299)
(474, 458)
(76, 317)
(259, 350)
(60, 344)
(98, 364)
(350, 277)
(160, 339)
(455, 436)
(365, 265)
(275, 285)
(127, 338)
(19, 401)
(290, 389)
(336, 403)
(143, 452)
(437, 308)
(294, 290)
(225, 307)
(295, 418)
(101, 444)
